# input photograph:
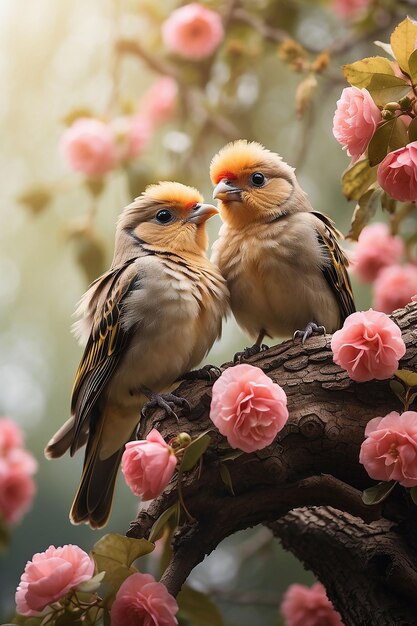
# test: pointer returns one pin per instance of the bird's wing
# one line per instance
(335, 272)
(103, 350)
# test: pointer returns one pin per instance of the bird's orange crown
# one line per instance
(175, 193)
(240, 155)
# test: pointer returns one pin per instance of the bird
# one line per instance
(152, 316)
(286, 273)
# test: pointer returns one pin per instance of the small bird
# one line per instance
(151, 317)
(283, 265)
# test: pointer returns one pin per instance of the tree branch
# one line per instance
(313, 462)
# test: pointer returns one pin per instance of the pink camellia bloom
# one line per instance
(368, 346)
(376, 249)
(355, 120)
(89, 147)
(50, 575)
(159, 101)
(397, 174)
(389, 451)
(308, 606)
(394, 287)
(17, 489)
(248, 407)
(148, 465)
(10, 435)
(141, 601)
(192, 31)
(350, 8)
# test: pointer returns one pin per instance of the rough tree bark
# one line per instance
(306, 486)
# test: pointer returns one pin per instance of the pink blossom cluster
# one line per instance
(354, 123)
(193, 31)
(389, 451)
(308, 606)
(377, 259)
(53, 574)
(350, 9)
(17, 466)
(368, 346)
(94, 147)
(248, 407)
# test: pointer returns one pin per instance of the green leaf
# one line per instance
(378, 493)
(385, 88)
(398, 389)
(363, 213)
(413, 494)
(408, 377)
(412, 130)
(357, 179)
(112, 551)
(91, 585)
(387, 137)
(360, 73)
(161, 522)
(113, 580)
(194, 451)
(386, 47)
(23, 620)
(226, 477)
(197, 608)
(4, 535)
(412, 64)
(403, 42)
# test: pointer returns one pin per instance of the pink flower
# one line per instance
(248, 408)
(50, 575)
(89, 147)
(397, 174)
(350, 8)
(148, 465)
(389, 451)
(17, 489)
(192, 31)
(394, 287)
(308, 606)
(376, 249)
(355, 120)
(159, 101)
(10, 435)
(368, 346)
(141, 601)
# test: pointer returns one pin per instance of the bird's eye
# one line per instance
(164, 216)
(257, 179)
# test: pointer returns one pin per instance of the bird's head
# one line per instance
(252, 184)
(168, 215)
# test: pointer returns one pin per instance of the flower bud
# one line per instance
(405, 103)
(392, 106)
(183, 439)
(387, 115)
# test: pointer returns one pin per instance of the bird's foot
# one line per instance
(207, 372)
(311, 329)
(247, 352)
(165, 401)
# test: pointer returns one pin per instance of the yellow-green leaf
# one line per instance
(408, 377)
(357, 179)
(378, 493)
(158, 527)
(389, 136)
(36, 198)
(412, 65)
(412, 130)
(398, 389)
(364, 212)
(194, 451)
(385, 88)
(112, 551)
(197, 608)
(403, 42)
(226, 477)
(360, 73)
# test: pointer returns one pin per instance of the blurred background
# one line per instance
(102, 59)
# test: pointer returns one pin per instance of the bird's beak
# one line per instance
(225, 190)
(202, 213)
